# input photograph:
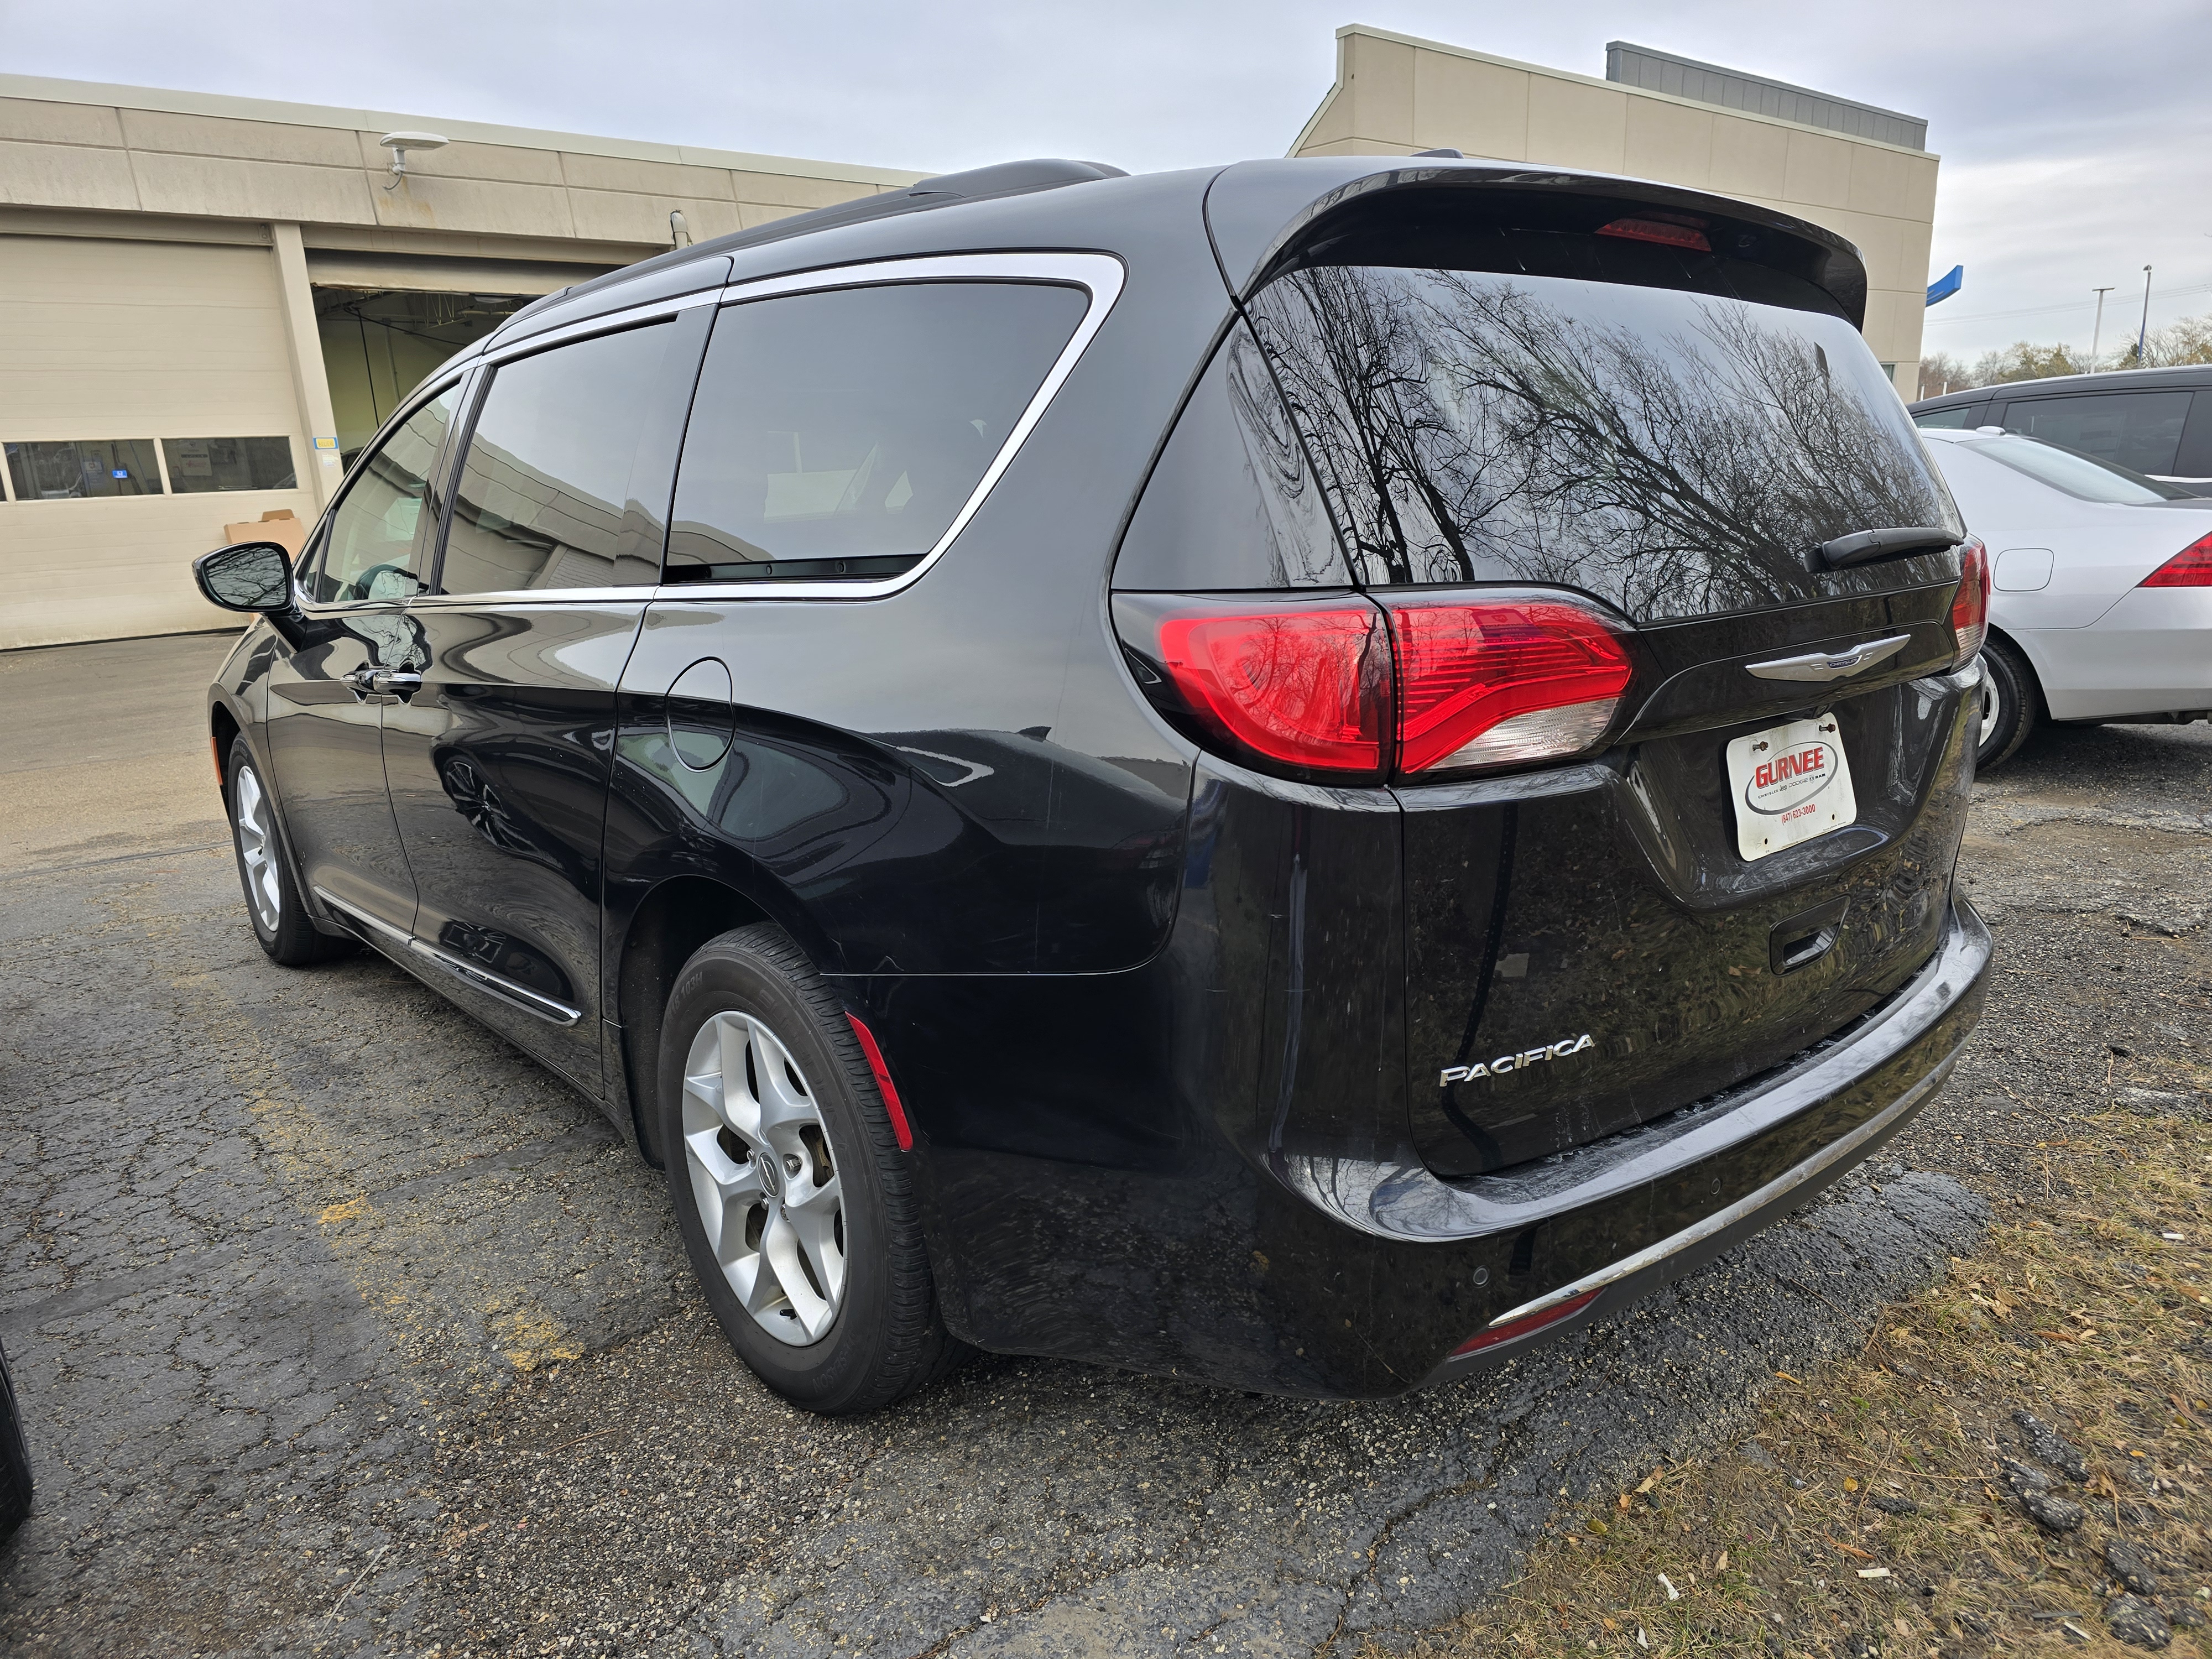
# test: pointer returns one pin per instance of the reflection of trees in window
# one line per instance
(1676, 454)
(1300, 546)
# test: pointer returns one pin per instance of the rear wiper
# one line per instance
(1864, 546)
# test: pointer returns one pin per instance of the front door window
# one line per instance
(376, 548)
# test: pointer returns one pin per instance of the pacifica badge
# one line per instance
(1527, 1057)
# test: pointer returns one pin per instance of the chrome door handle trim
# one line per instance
(1823, 666)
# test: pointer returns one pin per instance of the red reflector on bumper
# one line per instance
(892, 1105)
(1534, 1321)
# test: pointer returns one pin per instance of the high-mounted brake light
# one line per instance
(1309, 688)
(1659, 231)
(1479, 685)
(1354, 690)
(1969, 605)
(2191, 568)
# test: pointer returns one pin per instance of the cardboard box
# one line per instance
(282, 526)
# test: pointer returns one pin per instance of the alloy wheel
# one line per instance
(257, 849)
(764, 1176)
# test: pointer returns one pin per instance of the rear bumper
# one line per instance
(1127, 1211)
(1751, 1158)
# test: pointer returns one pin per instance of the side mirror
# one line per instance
(255, 576)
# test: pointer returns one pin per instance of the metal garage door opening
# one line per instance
(378, 343)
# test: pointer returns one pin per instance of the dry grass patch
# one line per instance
(1873, 1511)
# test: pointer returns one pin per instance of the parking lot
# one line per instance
(339, 1326)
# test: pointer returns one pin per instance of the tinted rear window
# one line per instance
(1673, 451)
(2081, 476)
(838, 434)
(2139, 430)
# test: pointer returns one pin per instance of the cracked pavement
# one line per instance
(339, 1327)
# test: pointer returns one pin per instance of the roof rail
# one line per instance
(977, 183)
(945, 190)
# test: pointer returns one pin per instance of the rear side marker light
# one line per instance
(892, 1105)
(1479, 685)
(1309, 688)
(2191, 568)
(1535, 1321)
(1659, 231)
(1970, 604)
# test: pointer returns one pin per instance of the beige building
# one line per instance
(1858, 170)
(207, 304)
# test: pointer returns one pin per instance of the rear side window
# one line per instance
(1676, 453)
(541, 498)
(1232, 504)
(838, 434)
(2139, 430)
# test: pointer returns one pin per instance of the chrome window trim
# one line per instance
(607, 322)
(1099, 274)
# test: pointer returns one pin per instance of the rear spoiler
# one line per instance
(1264, 215)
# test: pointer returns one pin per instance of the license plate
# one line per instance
(1789, 784)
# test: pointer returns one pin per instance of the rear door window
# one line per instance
(2139, 430)
(546, 498)
(1677, 453)
(839, 434)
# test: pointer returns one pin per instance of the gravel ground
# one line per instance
(340, 1327)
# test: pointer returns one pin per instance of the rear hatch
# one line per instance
(1658, 415)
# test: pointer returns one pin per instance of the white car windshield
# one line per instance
(2076, 474)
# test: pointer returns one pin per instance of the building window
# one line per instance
(89, 466)
(199, 465)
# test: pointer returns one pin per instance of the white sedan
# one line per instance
(2100, 601)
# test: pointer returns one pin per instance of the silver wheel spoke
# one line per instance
(256, 851)
(764, 1176)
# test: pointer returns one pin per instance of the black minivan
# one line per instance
(1294, 775)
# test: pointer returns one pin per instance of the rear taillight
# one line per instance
(1309, 688)
(2191, 568)
(1480, 685)
(1349, 690)
(1969, 605)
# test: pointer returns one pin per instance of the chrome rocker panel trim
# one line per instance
(492, 985)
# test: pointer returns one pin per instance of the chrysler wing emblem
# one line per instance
(1830, 664)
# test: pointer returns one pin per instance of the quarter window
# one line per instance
(838, 434)
(376, 527)
(542, 497)
(197, 465)
(85, 467)
(1955, 419)
(2139, 430)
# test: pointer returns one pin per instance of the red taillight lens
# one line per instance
(1479, 685)
(1309, 688)
(2191, 568)
(1969, 605)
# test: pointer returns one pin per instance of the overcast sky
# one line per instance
(2076, 139)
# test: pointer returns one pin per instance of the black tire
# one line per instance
(885, 1340)
(2012, 706)
(291, 937)
(15, 1460)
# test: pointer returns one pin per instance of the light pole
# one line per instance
(2143, 334)
(2097, 333)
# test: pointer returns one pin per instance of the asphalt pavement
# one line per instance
(341, 1327)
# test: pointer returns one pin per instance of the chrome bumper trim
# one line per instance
(1721, 1220)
